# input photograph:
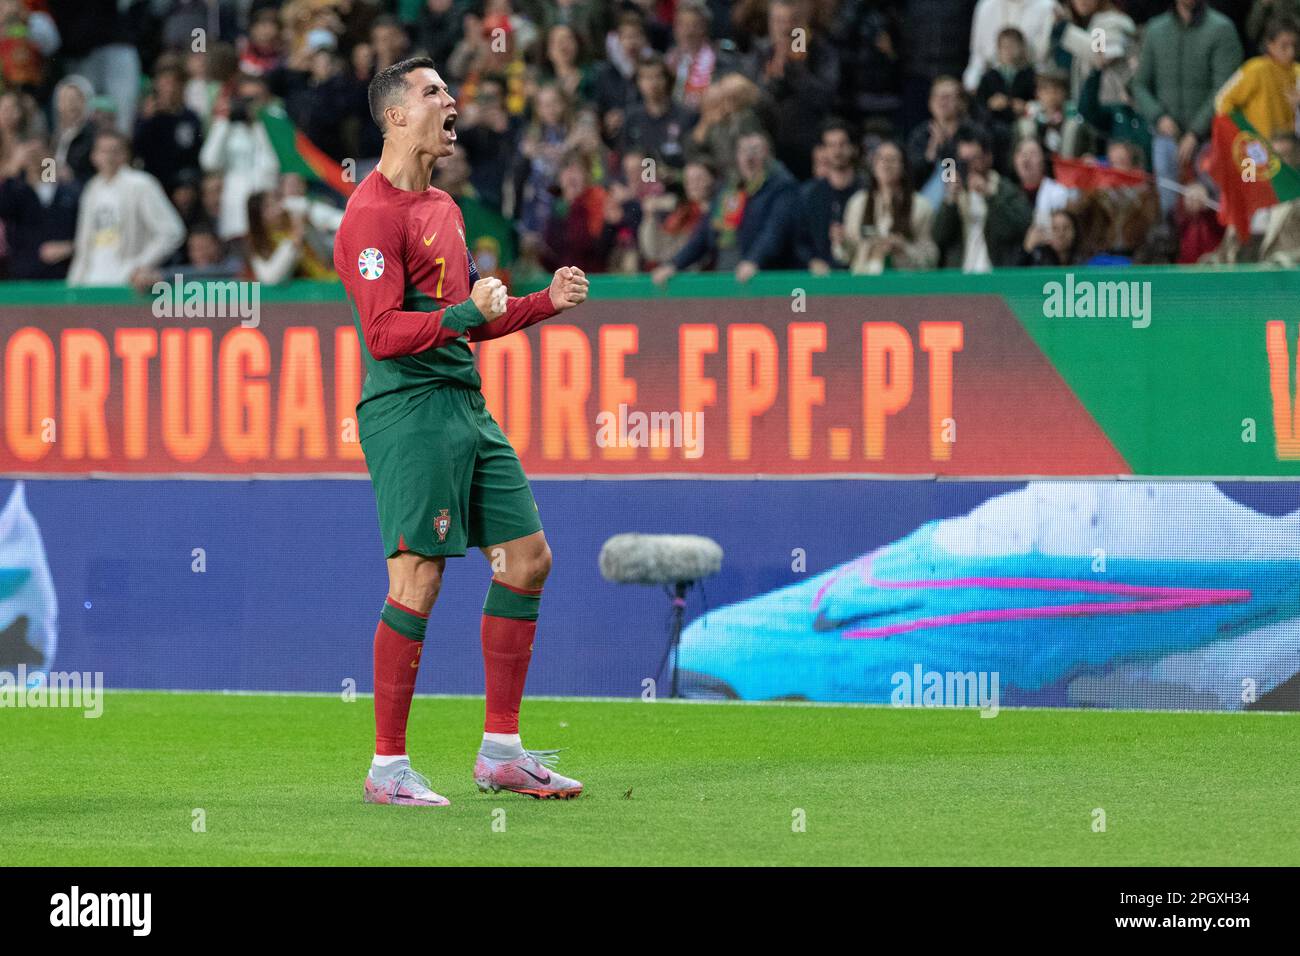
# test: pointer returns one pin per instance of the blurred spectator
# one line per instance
(1196, 226)
(726, 114)
(576, 226)
(694, 60)
(389, 41)
(1049, 119)
(321, 220)
(669, 218)
(74, 136)
(1075, 41)
(1111, 121)
(1116, 223)
(799, 76)
(1008, 85)
(27, 37)
(1187, 54)
(489, 137)
(489, 235)
(237, 147)
(929, 144)
(207, 257)
(1044, 193)
(277, 243)
(751, 223)
(1034, 18)
(564, 63)
(982, 221)
(1264, 88)
(438, 29)
(495, 45)
(1262, 11)
(96, 44)
(211, 189)
(168, 134)
(886, 225)
(624, 196)
(868, 38)
(823, 199)
(125, 224)
(929, 53)
(20, 120)
(1057, 245)
(261, 52)
(210, 78)
(588, 18)
(615, 80)
(544, 144)
(39, 211)
(658, 126)
(187, 199)
(326, 104)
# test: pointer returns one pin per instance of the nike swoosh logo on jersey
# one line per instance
(428, 240)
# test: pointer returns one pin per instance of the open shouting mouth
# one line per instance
(449, 127)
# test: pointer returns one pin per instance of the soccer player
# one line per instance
(445, 477)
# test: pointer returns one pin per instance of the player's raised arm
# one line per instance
(568, 288)
(368, 255)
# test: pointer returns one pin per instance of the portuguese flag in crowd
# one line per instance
(298, 154)
(1249, 174)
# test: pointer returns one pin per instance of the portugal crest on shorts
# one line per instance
(442, 524)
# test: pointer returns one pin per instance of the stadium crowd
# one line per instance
(646, 135)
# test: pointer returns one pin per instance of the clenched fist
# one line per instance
(490, 296)
(568, 287)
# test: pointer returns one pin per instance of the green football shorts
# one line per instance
(447, 479)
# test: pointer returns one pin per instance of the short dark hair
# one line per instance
(653, 61)
(1277, 26)
(389, 84)
(832, 124)
(970, 133)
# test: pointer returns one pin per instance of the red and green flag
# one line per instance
(298, 154)
(1084, 175)
(1249, 174)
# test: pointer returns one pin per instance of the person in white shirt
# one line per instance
(126, 225)
(237, 147)
(1033, 18)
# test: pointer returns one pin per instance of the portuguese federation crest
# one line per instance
(442, 524)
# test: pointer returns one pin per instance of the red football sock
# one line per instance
(507, 651)
(397, 663)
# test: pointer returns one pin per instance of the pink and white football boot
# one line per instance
(401, 786)
(530, 773)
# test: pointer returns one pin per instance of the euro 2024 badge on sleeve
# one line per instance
(370, 263)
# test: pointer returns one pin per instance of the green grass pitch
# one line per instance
(279, 781)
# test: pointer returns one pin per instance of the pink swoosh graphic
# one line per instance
(1158, 598)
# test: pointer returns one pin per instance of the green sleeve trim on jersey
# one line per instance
(462, 316)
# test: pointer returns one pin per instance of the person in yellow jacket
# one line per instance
(1266, 88)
